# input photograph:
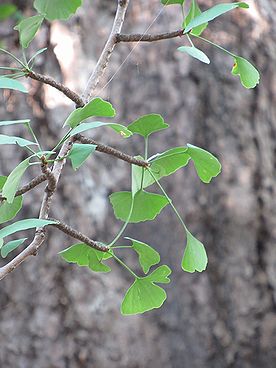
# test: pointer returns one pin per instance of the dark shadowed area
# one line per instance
(57, 315)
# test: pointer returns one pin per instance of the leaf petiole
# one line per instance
(169, 200)
(124, 265)
(214, 44)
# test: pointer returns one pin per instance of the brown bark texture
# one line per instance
(56, 315)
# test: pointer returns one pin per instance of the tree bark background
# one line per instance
(55, 315)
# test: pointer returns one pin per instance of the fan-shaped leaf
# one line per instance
(195, 257)
(249, 75)
(57, 9)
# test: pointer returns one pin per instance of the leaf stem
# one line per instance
(117, 237)
(14, 57)
(169, 200)
(28, 125)
(124, 265)
(214, 44)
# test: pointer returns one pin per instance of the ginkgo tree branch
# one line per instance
(31, 185)
(73, 96)
(148, 37)
(40, 235)
(79, 236)
(107, 51)
(112, 151)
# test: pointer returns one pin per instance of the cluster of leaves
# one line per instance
(140, 203)
(196, 22)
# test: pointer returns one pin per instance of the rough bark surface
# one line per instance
(56, 315)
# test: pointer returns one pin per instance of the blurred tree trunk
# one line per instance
(57, 315)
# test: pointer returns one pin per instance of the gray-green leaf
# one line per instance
(28, 28)
(118, 128)
(24, 225)
(213, 13)
(7, 139)
(8, 83)
(13, 180)
(195, 53)
(11, 246)
(79, 153)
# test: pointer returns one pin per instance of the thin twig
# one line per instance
(52, 183)
(107, 51)
(148, 37)
(112, 151)
(79, 236)
(73, 96)
(31, 185)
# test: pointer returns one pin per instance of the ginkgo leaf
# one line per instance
(9, 83)
(96, 107)
(14, 122)
(147, 125)
(79, 154)
(207, 166)
(146, 205)
(53, 9)
(143, 295)
(172, 2)
(161, 165)
(160, 275)
(118, 128)
(147, 255)
(195, 53)
(194, 12)
(249, 75)
(13, 180)
(11, 246)
(83, 255)
(213, 13)
(195, 257)
(7, 139)
(9, 210)
(28, 28)
(24, 225)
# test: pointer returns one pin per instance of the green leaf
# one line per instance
(249, 75)
(213, 13)
(144, 295)
(8, 83)
(9, 210)
(118, 128)
(53, 9)
(24, 225)
(11, 246)
(172, 2)
(6, 10)
(195, 53)
(28, 28)
(195, 257)
(147, 255)
(96, 107)
(194, 12)
(13, 180)
(207, 166)
(83, 255)
(79, 153)
(7, 139)
(14, 122)
(160, 275)
(146, 205)
(161, 165)
(147, 125)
